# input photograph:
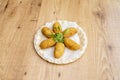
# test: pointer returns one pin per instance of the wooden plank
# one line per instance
(20, 19)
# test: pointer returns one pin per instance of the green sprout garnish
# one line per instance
(66, 31)
(59, 27)
(58, 37)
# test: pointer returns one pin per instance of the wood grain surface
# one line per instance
(20, 19)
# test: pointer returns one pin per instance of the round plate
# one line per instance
(69, 55)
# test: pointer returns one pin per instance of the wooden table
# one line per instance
(20, 19)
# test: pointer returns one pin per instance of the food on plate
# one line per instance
(59, 39)
(59, 50)
(69, 32)
(71, 44)
(47, 32)
(57, 27)
(47, 43)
